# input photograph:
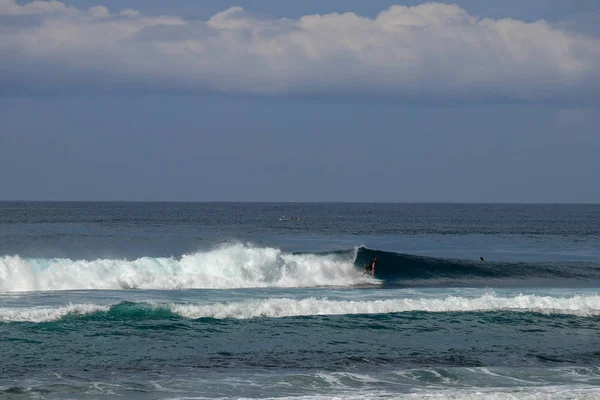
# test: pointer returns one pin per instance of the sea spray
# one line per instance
(226, 267)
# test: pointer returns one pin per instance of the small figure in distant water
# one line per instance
(481, 259)
(290, 218)
(370, 267)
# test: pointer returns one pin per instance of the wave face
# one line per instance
(231, 266)
(413, 270)
(582, 306)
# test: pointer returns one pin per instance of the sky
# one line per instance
(269, 100)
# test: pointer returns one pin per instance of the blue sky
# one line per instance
(470, 101)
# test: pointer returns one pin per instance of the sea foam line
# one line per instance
(287, 307)
(46, 314)
(557, 392)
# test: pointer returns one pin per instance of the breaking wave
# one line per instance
(244, 266)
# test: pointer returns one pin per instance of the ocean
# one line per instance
(102, 300)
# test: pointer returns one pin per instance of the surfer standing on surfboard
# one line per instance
(370, 267)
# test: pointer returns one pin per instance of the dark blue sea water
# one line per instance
(232, 300)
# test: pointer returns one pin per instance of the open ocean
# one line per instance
(227, 301)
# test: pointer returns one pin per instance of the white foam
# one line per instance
(231, 266)
(45, 314)
(535, 393)
(288, 307)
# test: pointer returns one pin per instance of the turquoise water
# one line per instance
(174, 301)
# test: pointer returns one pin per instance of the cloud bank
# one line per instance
(428, 52)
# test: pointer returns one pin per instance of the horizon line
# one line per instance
(301, 202)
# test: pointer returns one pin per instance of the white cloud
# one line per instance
(432, 51)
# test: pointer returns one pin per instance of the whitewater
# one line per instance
(227, 267)
(583, 305)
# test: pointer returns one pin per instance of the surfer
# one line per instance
(370, 267)
(481, 259)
